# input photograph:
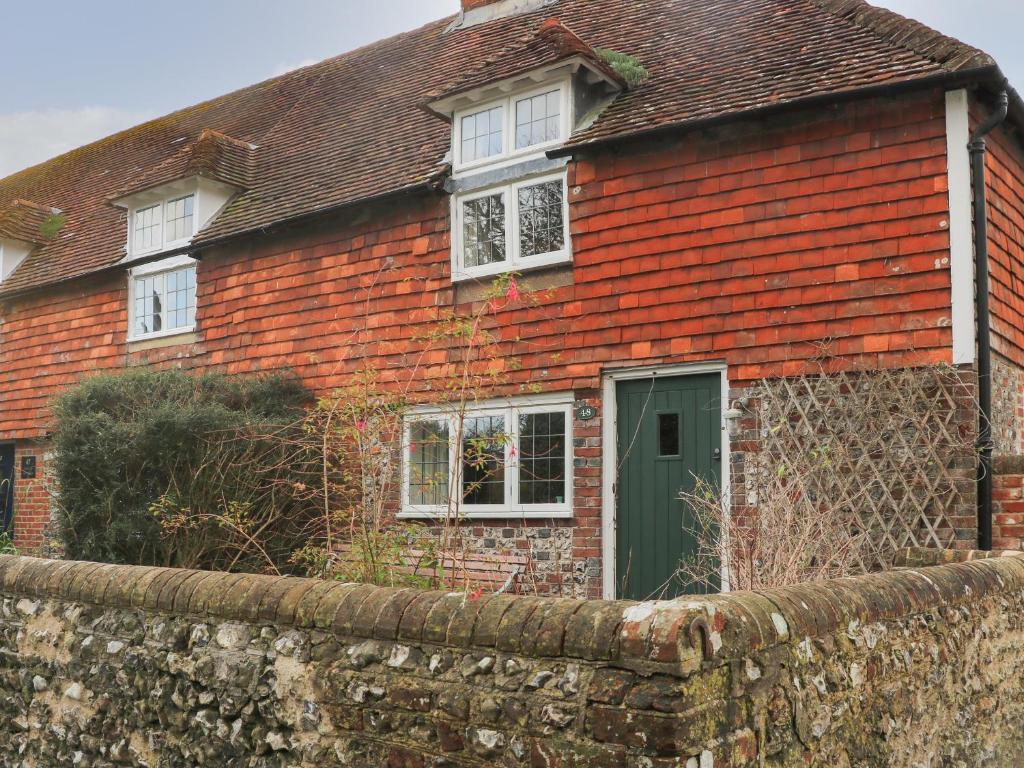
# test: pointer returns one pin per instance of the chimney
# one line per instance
(478, 11)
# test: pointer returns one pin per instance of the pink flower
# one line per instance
(361, 425)
(512, 453)
(512, 294)
(476, 594)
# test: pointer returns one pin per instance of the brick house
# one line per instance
(707, 200)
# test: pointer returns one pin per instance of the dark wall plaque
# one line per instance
(28, 467)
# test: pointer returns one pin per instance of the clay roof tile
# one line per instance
(351, 128)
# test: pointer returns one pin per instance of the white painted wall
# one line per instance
(12, 253)
(211, 198)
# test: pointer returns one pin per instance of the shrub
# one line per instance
(160, 467)
(785, 538)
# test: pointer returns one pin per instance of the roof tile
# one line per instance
(352, 127)
(26, 221)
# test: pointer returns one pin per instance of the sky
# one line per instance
(77, 71)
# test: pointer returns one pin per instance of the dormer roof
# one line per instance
(27, 222)
(211, 155)
(550, 44)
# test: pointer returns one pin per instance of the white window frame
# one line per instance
(509, 152)
(164, 245)
(152, 269)
(513, 262)
(195, 215)
(510, 409)
(134, 223)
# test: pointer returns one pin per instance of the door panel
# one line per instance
(669, 431)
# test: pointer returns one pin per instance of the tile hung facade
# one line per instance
(781, 193)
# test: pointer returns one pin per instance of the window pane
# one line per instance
(541, 225)
(483, 230)
(166, 301)
(538, 119)
(428, 463)
(149, 304)
(483, 460)
(542, 447)
(181, 298)
(668, 434)
(147, 228)
(481, 134)
(179, 218)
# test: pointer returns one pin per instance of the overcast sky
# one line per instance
(76, 71)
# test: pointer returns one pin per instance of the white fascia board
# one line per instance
(961, 243)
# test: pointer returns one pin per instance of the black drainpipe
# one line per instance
(977, 150)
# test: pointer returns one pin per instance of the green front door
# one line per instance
(669, 432)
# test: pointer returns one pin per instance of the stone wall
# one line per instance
(1007, 406)
(919, 557)
(114, 665)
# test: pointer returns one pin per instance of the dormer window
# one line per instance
(521, 223)
(179, 213)
(166, 207)
(509, 199)
(539, 119)
(164, 225)
(162, 288)
(162, 221)
(483, 134)
(513, 127)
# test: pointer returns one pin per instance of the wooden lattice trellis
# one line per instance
(893, 449)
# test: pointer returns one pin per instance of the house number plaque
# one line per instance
(586, 412)
(28, 467)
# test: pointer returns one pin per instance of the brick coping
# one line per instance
(673, 637)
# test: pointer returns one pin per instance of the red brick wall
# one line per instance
(32, 497)
(763, 244)
(757, 246)
(49, 341)
(1008, 502)
(1005, 174)
(752, 244)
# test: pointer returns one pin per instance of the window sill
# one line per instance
(173, 338)
(562, 259)
(504, 514)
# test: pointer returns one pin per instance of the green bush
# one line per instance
(159, 467)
